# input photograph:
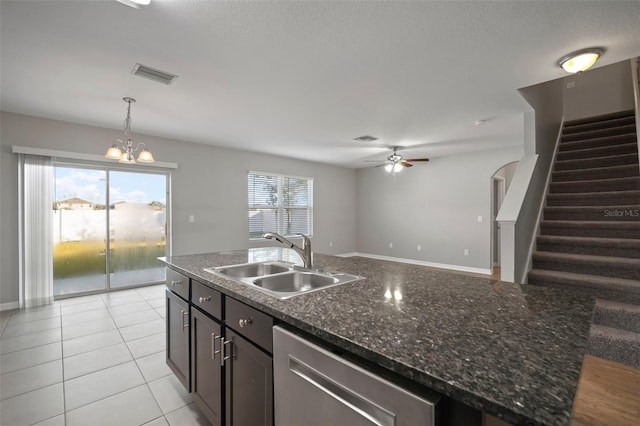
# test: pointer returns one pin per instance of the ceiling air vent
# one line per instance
(153, 74)
(366, 138)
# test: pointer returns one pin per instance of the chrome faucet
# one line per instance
(304, 251)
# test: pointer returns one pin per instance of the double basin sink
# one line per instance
(280, 279)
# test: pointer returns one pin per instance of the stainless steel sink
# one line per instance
(254, 269)
(280, 279)
(294, 282)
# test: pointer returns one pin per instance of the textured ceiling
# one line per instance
(302, 79)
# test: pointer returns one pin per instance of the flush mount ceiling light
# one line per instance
(137, 4)
(124, 152)
(581, 60)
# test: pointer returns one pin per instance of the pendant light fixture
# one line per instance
(124, 152)
(581, 60)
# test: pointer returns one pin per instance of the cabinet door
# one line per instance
(206, 365)
(249, 383)
(178, 337)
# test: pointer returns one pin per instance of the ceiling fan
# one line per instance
(395, 162)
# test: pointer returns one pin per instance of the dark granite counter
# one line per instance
(513, 351)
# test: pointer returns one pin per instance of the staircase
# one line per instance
(590, 235)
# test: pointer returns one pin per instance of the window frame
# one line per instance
(280, 207)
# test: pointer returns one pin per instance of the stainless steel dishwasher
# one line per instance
(313, 386)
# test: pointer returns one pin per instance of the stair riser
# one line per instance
(630, 170)
(626, 121)
(629, 272)
(609, 294)
(622, 351)
(603, 142)
(627, 148)
(628, 214)
(600, 133)
(614, 160)
(607, 199)
(623, 320)
(604, 118)
(590, 231)
(596, 250)
(627, 184)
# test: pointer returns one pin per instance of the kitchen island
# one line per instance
(512, 351)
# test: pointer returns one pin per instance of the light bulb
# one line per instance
(581, 60)
(145, 156)
(113, 153)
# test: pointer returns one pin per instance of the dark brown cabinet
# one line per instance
(220, 349)
(206, 365)
(249, 383)
(178, 337)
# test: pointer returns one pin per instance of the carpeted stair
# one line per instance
(590, 235)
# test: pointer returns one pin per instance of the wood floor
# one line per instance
(608, 394)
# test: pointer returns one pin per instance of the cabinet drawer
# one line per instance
(178, 283)
(207, 299)
(250, 322)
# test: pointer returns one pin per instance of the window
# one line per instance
(278, 203)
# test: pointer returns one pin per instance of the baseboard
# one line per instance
(422, 263)
(9, 306)
(355, 253)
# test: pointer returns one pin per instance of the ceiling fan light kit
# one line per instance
(394, 167)
(395, 163)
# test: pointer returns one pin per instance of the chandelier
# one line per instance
(124, 152)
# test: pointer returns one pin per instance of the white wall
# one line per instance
(599, 91)
(507, 173)
(211, 184)
(435, 205)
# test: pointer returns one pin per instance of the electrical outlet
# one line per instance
(419, 248)
(466, 252)
(390, 245)
(571, 85)
(192, 218)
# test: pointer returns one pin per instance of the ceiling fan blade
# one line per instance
(404, 163)
(416, 159)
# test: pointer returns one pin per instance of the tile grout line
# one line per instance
(146, 383)
(62, 358)
(102, 369)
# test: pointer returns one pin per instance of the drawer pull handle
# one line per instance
(204, 299)
(183, 323)
(214, 339)
(224, 357)
(245, 322)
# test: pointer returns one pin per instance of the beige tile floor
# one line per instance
(92, 360)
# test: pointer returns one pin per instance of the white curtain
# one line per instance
(36, 236)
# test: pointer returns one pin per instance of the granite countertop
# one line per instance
(512, 351)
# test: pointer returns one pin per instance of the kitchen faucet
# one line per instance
(304, 251)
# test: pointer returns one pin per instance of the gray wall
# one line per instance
(435, 205)
(599, 91)
(547, 99)
(507, 173)
(211, 184)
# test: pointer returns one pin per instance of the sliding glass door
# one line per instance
(79, 230)
(91, 204)
(137, 219)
